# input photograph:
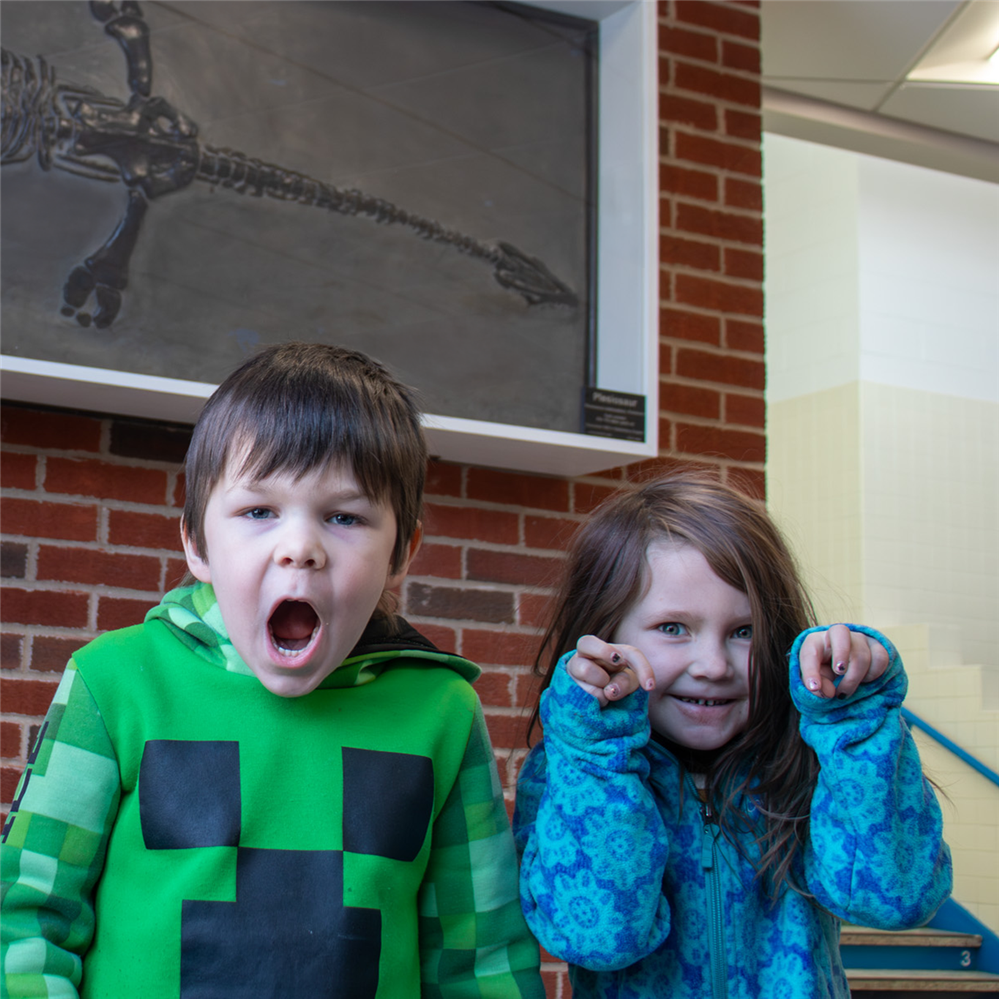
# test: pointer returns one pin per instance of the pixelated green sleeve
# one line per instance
(53, 847)
(473, 938)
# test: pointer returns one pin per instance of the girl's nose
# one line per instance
(712, 661)
(299, 548)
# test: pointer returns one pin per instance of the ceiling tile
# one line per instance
(965, 110)
(848, 39)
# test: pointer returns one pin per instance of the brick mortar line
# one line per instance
(521, 669)
(695, 201)
(724, 4)
(703, 312)
(688, 382)
(94, 546)
(720, 421)
(711, 348)
(721, 104)
(513, 547)
(719, 274)
(80, 499)
(494, 547)
(90, 545)
(119, 461)
(716, 275)
(475, 624)
(722, 172)
(464, 502)
(493, 506)
(693, 60)
(505, 711)
(702, 32)
(700, 421)
(88, 589)
(722, 208)
(45, 631)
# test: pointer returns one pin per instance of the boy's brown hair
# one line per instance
(297, 407)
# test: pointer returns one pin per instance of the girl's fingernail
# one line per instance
(841, 697)
(611, 691)
(650, 684)
(840, 668)
(616, 658)
(813, 683)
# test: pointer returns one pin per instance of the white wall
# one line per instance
(882, 298)
(882, 326)
(929, 280)
(812, 247)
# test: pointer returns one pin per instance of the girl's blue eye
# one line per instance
(258, 513)
(745, 632)
(672, 628)
(344, 519)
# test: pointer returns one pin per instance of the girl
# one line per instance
(689, 826)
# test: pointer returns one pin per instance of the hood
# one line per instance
(192, 614)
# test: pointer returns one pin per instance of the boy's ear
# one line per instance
(414, 546)
(195, 563)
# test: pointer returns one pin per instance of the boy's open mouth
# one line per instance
(293, 625)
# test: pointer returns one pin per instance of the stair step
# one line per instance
(864, 936)
(922, 949)
(880, 980)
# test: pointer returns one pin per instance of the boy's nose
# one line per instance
(300, 549)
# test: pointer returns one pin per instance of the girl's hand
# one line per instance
(838, 651)
(609, 672)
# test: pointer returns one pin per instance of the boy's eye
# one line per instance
(673, 628)
(745, 632)
(344, 519)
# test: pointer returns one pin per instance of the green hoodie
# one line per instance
(181, 831)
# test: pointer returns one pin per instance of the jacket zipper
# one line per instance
(718, 958)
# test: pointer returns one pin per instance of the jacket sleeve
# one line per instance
(54, 845)
(473, 938)
(592, 842)
(876, 854)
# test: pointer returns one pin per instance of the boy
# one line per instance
(274, 786)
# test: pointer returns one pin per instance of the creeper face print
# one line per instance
(189, 798)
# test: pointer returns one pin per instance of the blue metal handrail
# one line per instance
(962, 754)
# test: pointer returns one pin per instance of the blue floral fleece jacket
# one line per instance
(625, 875)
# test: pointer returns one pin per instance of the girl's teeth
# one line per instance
(706, 703)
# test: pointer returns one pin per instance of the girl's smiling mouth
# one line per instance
(293, 627)
(706, 702)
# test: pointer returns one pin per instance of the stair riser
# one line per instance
(923, 958)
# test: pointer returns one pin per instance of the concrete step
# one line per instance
(865, 936)
(868, 983)
(908, 964)
(922, 949)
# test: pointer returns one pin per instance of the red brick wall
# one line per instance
(91, 504)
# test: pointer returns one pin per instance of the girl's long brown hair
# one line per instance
(606, 573)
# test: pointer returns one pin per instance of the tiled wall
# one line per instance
(953, 699)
